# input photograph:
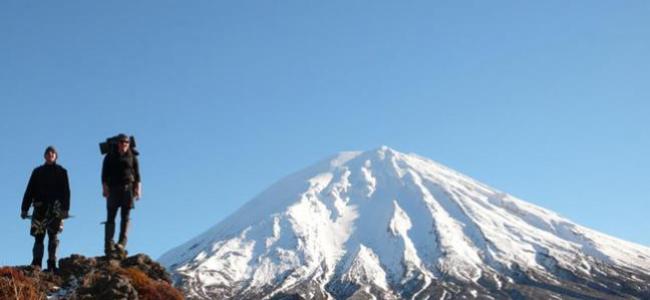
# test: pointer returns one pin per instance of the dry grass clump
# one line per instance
(15, 285)
(149, 289)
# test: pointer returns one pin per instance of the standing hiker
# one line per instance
(48, 191)
(121, 186)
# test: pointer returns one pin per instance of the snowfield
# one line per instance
(386, 225)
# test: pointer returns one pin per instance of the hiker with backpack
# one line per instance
(121, 187)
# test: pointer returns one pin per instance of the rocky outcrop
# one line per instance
(78, 278)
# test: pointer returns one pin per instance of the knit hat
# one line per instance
(52, 149)
(122, 137)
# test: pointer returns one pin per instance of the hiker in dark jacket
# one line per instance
(121, 186)
(48, 191)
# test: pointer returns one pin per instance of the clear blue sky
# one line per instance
(548, 101)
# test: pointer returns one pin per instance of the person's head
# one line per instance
(50, 155)
(123, 143)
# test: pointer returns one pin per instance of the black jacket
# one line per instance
(47, 184)
(120, 169)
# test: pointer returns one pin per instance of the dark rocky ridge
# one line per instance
(78, 277)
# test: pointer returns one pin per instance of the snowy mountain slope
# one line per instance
(386, 225)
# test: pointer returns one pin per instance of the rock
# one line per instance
(76, 265)
(107, 287)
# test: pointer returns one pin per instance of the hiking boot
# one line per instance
(36, 264)
(120, 252)
(51, 266)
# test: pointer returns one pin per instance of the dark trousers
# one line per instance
(39, 248)
(43, 222)
(119, 198)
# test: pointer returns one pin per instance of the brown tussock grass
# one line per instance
(15, 285)
(149, 289)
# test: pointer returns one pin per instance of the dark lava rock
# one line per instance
(108, 286)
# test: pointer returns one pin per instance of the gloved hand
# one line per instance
(137, 191)
(105, 191)
(23, 214)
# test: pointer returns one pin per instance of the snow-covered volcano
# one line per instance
(387, 225)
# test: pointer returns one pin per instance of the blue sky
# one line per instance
(547, 101)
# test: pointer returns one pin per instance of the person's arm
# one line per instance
(105, 174)
(66, 191)
(29, 196)
(137, 189)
